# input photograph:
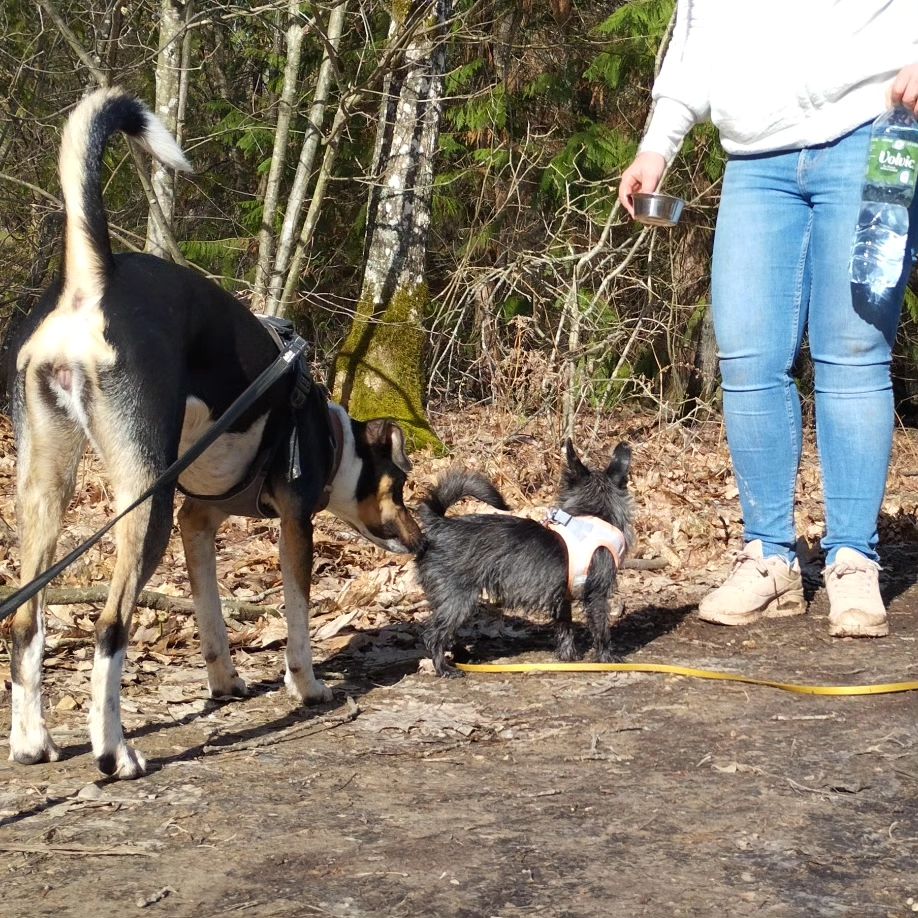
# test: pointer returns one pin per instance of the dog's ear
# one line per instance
(575, 467)
(620, 464)
(389, 436)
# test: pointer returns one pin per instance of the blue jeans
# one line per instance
(784, 234)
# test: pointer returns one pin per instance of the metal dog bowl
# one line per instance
(657, 209)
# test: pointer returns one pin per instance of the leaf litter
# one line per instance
(422, 774)
(367, 604)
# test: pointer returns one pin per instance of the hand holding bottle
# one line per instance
(878, 256)
(904, 89)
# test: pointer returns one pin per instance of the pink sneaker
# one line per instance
(757, 588)
(855, 606)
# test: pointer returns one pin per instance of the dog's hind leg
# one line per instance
(448, 614)
(296, 568)
(140, 540)
(565, 644)
(597, 590)
(199, 523)
(50, 444)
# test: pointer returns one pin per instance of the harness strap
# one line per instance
(282, 331)
(337, 437)
(582, 536)
(245, 498)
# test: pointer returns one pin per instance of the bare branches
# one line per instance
(74, 43)
(102, 79)
(279, 155)
(282, 268)
(168, 93)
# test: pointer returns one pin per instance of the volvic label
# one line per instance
(892, 162)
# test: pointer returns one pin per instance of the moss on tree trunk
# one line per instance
(378, 371)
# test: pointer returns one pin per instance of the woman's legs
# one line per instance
(760, 292)
(851, 341)
(781, 253)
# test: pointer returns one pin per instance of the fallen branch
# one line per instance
(645, 564)
(81, 850)
(148, 599)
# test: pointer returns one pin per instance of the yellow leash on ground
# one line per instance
(883, 688)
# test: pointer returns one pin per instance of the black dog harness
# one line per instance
(246, 498)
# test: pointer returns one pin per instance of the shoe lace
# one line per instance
(746, 562)
(863, 584)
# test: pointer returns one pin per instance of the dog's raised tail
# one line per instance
(87, 248)
(457, 484)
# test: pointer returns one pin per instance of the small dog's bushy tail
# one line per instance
(453, 487)
(87, 247)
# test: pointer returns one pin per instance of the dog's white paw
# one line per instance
(233, 687)
(307, 690)
(125, 763)
(34, 747)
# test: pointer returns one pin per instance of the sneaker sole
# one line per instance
(785, 606)
(854, 626)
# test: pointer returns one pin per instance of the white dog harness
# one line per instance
(582, 536)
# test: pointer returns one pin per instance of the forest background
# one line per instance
(521, 284)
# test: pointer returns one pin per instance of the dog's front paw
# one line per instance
(234, 687)
(449, 672)
(125, 763)
(444, 670)
(440, 663)
(567, 652)
(307, 690)
(30, 749)
(607, 655)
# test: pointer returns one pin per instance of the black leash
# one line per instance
(284, 363)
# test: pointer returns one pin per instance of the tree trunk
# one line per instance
(379, 370)
(49, 234)
(168, 69)
(704, 380)
(277, 302)
(184, 73)
(279, 155)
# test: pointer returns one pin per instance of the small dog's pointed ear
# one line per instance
(389, 436)
(620, 464)
(574, 465)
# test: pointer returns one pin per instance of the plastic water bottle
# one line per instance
(878, 255)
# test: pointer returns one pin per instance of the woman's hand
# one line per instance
(904, 89)
(644, 174)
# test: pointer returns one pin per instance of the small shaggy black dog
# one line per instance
(522, 563)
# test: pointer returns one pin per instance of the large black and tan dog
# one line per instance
(139, 357)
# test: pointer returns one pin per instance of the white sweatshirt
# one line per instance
(780, 74)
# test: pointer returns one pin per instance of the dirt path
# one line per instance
(493, 796)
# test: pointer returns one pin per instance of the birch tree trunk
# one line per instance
(379, 370)
(278, 155)
(168, 80)
(184, 73)
(277, 300)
